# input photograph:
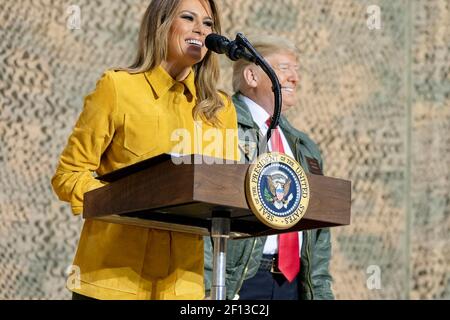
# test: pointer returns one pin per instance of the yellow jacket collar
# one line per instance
(161, 81)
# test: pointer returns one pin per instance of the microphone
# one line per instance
(221, 45)
(236, 50)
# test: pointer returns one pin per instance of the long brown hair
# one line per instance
(153, 47)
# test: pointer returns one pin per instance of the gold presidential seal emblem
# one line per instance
(277, 190)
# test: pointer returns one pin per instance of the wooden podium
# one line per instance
(204, 196)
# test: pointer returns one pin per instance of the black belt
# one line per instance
(269, 263)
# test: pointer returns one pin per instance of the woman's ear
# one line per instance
(251, 77)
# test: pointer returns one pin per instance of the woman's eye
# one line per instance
(190, 18)
(209, 24)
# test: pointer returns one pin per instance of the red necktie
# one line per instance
(288, 247)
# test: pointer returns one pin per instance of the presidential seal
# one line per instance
(277, 190)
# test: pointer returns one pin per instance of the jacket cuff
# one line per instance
(77, 211)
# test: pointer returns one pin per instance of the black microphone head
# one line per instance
(217, 43)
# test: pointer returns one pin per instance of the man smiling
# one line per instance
(291, 266)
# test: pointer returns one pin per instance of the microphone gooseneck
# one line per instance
(241, 48)
(276, 86)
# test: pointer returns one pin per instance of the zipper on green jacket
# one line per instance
(241, 281)
(308, 256)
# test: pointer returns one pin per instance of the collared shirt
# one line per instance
(127, 119)
(260, 117)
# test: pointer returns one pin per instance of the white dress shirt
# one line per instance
(260, 117)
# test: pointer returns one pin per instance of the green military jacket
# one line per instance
(244, 256)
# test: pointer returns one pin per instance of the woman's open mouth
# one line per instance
(195, 42)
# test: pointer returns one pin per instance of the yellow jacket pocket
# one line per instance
(141, 133)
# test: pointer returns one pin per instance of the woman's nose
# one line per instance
(199, 28)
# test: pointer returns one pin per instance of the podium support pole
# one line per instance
(220, 232)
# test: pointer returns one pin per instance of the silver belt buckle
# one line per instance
(274, 268)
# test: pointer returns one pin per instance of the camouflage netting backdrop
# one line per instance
(376, 101)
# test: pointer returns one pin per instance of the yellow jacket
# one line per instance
(127, 119)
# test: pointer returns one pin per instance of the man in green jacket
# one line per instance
(251, 272)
